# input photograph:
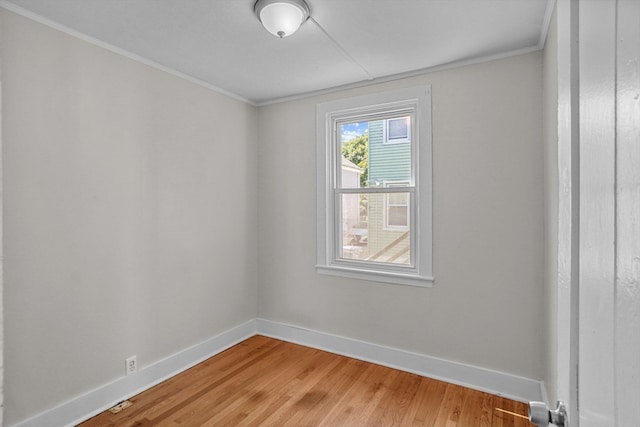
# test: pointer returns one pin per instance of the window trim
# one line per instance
(379, 105)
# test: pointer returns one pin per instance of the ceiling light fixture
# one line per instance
(281, 17)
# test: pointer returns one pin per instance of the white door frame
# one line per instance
(597, 40)
(609, 303)
(1, 268)
(599, 206)
(568, 206)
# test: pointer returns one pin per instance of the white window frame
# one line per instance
(395, 184)
(414, 101)
(387, 141)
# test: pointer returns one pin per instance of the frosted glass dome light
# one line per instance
(281, 17)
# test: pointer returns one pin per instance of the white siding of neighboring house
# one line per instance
(351, 205)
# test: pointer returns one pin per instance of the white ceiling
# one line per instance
(220, 43)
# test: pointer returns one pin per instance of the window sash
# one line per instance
(336, 230)
(339, 231)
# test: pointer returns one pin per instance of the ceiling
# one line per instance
(221, 44)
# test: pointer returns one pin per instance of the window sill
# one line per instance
(376, 276)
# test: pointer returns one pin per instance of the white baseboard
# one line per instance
(100, 399)
(494, 382)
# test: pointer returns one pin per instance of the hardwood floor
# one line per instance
(267, 382)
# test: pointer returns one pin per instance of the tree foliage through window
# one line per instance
(357, 152)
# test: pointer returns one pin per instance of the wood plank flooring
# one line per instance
(267, 382)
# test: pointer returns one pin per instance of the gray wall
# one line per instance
(130, 215)
(485, 306)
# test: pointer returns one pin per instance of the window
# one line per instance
(374, 187)
(396, 208)
(398, 130)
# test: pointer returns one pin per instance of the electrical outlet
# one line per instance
(131, 365)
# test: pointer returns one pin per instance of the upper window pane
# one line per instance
(368, 161)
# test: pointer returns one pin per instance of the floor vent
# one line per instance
(120, 406)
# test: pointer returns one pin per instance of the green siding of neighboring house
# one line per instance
(387, 162)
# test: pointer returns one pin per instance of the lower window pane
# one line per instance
(365, 229)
